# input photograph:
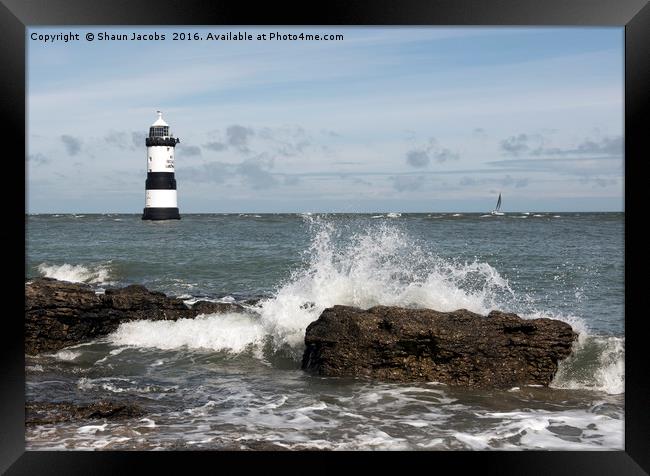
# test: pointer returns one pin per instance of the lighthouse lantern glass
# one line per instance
(159, 131)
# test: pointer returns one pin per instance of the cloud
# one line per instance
(417, 158)
(421, 157)
(479, 132)
(590, 158)
(534, 145)
(605, 146)
(292, 149)
(126, 140)
(120, 140)
(254, 172)
(214, 172)
(238, 136)
(287, 141)
(72, 144)
(403, 183)
(445, 155)
(515, 145)
(507, 181)
(188, 150)
(215, 146)
(556, 163)
(138, 139)
(599, 181)
(329, 133)
(38, 159)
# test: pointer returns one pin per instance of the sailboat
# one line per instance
(497, 211)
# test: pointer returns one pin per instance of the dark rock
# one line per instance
(37, 413)
(208, 307)
(500, 350)
(137, 297)
(59, 314)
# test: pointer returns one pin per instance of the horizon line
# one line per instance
(324, 212)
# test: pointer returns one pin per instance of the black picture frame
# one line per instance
(17, 15)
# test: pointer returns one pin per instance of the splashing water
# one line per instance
(596, 363)
(227, 379)
(377, 266)
(218, 332)
(99, 274)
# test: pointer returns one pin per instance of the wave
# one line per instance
(596, 363)
(98, 274)
(218, 332)
(566, 429)
(378, 265)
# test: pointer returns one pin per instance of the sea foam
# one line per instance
(379, 265)
(596, 363)
(98, 274)
(217, 332)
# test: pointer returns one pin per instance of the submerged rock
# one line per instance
(40, 413)
(499, 350)
(59, 314)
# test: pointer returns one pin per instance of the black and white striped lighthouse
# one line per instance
(160, 201)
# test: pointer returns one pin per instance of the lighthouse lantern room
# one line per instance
(160, 188)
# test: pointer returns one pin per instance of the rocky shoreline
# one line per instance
(500, 350)
(59, 314)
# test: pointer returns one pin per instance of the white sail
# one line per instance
(497, 211)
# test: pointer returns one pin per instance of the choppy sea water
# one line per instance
(234, 380)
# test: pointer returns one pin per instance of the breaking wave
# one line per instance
(596, 363)
(218, 332)
(379, 265)
(99, 274)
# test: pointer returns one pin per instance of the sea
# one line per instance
(233, 381)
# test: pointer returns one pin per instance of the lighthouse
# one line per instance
(160, 188)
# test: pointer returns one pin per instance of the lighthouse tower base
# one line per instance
(161, 214)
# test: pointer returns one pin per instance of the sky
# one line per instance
(387, 119)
